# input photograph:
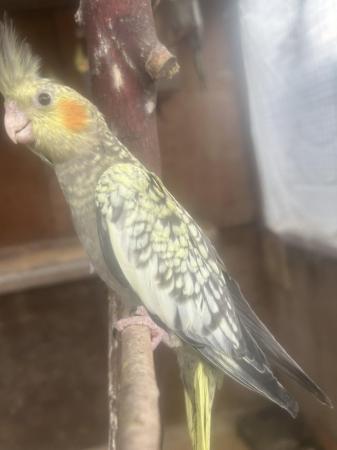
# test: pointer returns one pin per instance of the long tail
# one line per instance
(200, 382)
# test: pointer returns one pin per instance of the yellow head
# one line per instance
(54, 120)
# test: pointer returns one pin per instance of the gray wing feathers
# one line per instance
(261, 381)
(269, 345)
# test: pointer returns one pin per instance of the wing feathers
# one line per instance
(274, 351)
(175, 271)
(262, 381)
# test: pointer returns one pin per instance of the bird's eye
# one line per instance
(44, 98)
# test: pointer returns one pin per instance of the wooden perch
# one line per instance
(125, 58)
(138, 415)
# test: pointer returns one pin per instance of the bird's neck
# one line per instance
(82, 171)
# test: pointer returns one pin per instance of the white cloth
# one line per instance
(290, 58)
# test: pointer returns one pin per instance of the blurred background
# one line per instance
(247, 134)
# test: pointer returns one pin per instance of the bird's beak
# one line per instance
(17, 125)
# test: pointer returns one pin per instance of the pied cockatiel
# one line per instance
(142, 242)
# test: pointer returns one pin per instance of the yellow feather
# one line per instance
(200, 382)
(17, 63)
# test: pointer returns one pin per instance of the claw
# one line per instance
(142, 319)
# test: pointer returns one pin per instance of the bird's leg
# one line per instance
(142, 318)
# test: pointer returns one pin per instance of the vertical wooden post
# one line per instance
(125, 59)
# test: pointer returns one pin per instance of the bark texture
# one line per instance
(125, 59)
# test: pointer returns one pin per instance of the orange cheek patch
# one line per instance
(74, 115)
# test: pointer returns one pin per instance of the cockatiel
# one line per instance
(142, 242)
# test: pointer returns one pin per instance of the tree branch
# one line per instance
(125, 58)
(138, 414)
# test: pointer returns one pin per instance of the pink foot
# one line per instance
(142, 318)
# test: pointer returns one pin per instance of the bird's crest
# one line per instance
(17, 62)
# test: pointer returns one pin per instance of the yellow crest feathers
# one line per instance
(17, 62)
